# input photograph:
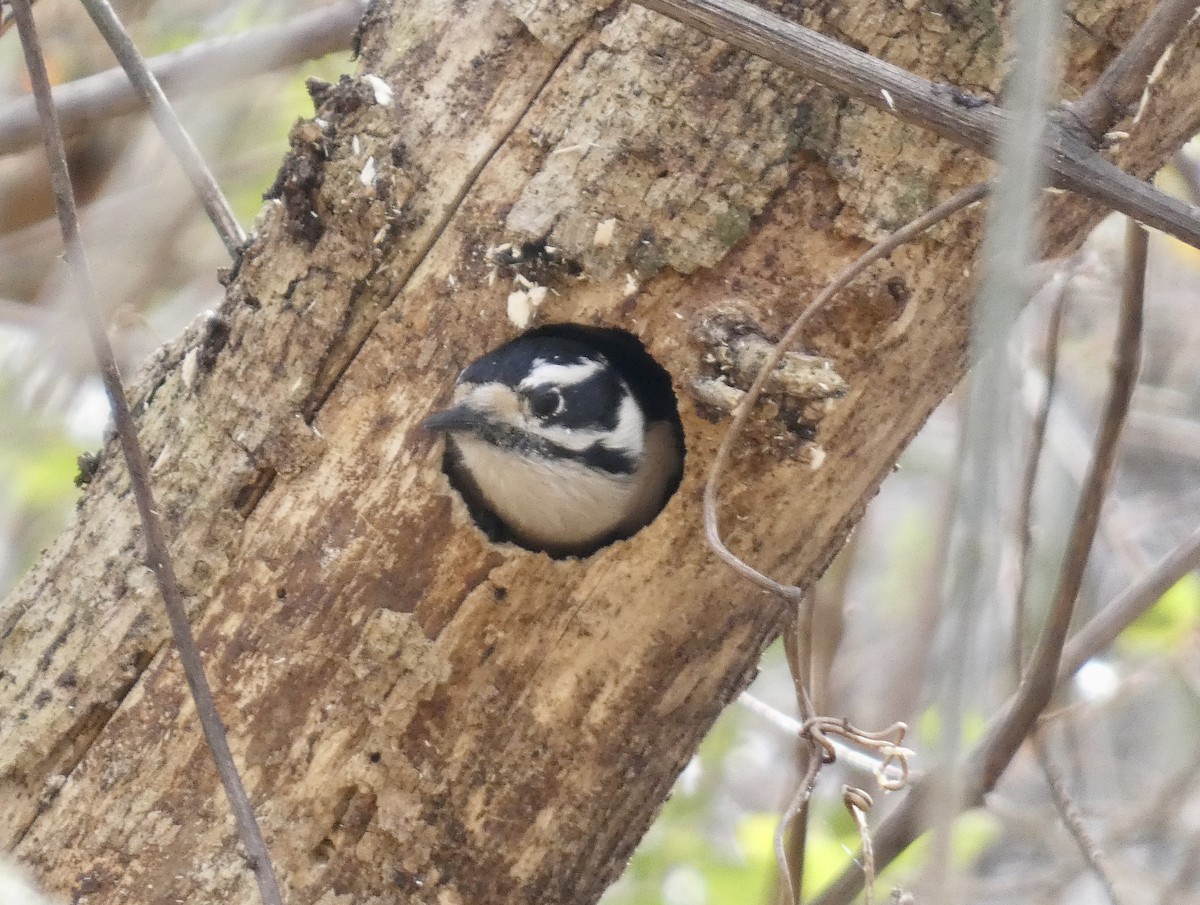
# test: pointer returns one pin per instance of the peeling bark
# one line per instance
(419, 715)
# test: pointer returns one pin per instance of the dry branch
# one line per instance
(1129, 76)
(198, 67)
(947, 111)
(1102, 629)
(176, 137)
(1033, 458)
(157, 555)
(1008, 728)
(1072, 819)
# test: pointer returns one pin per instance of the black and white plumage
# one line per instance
(564, 439)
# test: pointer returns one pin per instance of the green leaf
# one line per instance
(42, 478)
(971, 834)
(929, 728)
(1169, 623)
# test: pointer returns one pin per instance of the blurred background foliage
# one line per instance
(1128, 735)
(154, 255)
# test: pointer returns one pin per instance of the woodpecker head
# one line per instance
(553, 446)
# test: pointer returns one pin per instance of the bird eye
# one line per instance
(545, 402)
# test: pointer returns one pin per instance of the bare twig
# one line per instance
(1174, 795)
(920, 630)
(158, 555)
(1040, 678)
(6, 18)
(828, 603)
(202, 66)
(1037, 442)
(800, 657)
(828, 739)
(791, 868)
(876, 252)
(176, 137)
(791, 836)
(1102, 629)
(1069, 814)
(1009, 726)
(1008, 248)
(880, 760)
(858, 802)
(1070, 443)
(944, 110)
(891, 773)
(797, 644)
(1128, 76)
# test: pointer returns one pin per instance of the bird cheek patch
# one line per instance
(497, 399)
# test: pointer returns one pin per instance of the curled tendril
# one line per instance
(857, 799)
(858, 803)
(884, 744)
(892, 756)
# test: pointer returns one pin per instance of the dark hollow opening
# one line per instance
(650, 385)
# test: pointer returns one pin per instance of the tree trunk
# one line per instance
(421, 716)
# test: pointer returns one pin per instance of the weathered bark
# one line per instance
(421, 716)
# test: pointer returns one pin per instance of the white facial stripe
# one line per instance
(545, 372)
(494, 398)
(629, 436)
(501, 403)
(572, 438)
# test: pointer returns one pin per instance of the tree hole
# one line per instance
(564, 440)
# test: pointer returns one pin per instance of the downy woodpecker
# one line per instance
(564, 439)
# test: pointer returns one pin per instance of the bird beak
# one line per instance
(456, 418)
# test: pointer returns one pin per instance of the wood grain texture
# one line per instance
(421, 716)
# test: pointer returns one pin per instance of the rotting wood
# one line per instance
(419, 715)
